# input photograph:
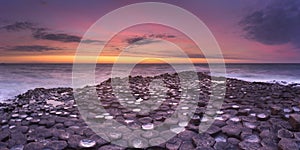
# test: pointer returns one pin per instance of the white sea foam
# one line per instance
(16, 79)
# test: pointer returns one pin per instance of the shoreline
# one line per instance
(254, 115)
(282, 83)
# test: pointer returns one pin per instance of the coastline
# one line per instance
(254, 115)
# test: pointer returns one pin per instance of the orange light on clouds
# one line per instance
(108, 59)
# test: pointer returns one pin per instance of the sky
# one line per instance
(248, 31)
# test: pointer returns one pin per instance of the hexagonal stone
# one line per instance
(203, 139)
(288, 144)
(232, 130)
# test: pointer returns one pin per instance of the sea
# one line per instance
(18, 78)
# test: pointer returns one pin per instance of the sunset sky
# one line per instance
(250, 31)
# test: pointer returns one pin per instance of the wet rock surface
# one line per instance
(253, 116)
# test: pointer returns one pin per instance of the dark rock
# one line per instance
(213, 129)
(249, 145)
(275, 110)
(268, 134)
(263, 116)
(297, 135)
(69, 123)
(249, 118)
(295, 121)
(35, 121)
(186, 135)
(252, 138)
(99, 140)
(40, 133)
(203, 139)
(288, 144)
(221, 138)
(49, 123)
(156, 148)
(57, 145)
(225, 146)
(19, 138)
(4, 134)
(17, 147)
(250, 125)
(60, 119)
(59, 126)
(173, 143)
(233, 141)
(145, 120)
(186, 145)
(287, 95)
(268, 142)
(219, 123)
(203, 148)
(73, 141)
(243, 112)
(34, 146)
(284, 133)
(22, 129)
(88, 132)
(60, 134)
(87, 143)
(3, 146)
(110, 147)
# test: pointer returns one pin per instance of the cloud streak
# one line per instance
(89, 41)
(147, 39)
(278, 23)
(19, 26)
(32, 48)
(41, 33)
(61, 37)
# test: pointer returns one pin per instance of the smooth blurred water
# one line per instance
(18, 78)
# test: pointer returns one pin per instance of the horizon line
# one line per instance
(3, 63)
